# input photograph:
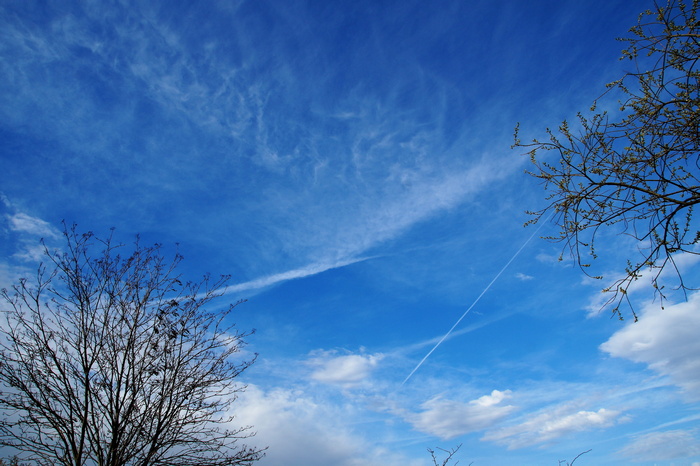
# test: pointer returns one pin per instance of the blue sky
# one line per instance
(349, 164)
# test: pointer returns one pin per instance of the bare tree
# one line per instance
(453, 451)
(113, 360)
(566, 463)
(635, 172)
(450, 453)
(13, 461)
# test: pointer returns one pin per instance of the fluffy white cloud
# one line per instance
(302, 431)
(346, 370)
(663, 446)
(666, 340)
(550, 425)
(448, 419)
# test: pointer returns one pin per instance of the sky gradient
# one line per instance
(348, 163)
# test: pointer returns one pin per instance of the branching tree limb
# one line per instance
(113, 360)
(636, 172)
(566, 463)
(450, 453)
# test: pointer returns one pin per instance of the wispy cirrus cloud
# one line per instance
(550, 424)
(23, 223)
(307, 271)
(28, 231)
(666, 445)
(322, 200)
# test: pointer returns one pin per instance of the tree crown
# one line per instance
(113, 359)
(636, 172)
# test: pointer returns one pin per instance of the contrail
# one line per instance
(473, 304)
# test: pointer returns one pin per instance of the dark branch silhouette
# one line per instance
(114, 360)
(636, 172)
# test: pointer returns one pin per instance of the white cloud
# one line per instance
(334, 221)
(449, 419)
(29, 231)
(663, 446)
(30, 253)
(523, 277)
(10, 275)
(24, 223)
(301, 431)
(666, 340)
(391, 171)
(347, 370)
(550, 425)
(337, 232)
(425, 197)
(494, 398)
(307, 271)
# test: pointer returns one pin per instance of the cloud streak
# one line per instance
(23, 223)
(663, 446)
(550, 425)
(303, 272)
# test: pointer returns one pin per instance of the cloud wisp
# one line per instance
(23, 223)
(29, 231)
(551, 424)
(663, 446)
(303, 272)
(382, 172)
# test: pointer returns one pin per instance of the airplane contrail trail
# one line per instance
(473, 304)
